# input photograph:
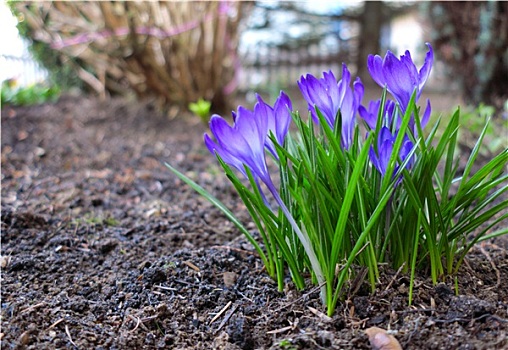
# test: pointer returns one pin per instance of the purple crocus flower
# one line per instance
(278, 119)
(330, 97)
(370, 115)
(385, 144)
(400, 76)
(242, 143)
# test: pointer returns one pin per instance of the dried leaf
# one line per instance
(229, 279)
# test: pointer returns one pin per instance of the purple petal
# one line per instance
(426, 68)
(398, 79)
(367, 116)
(348, 113)
(282, 109)
(426, 114)
(226, 157)
(390, 112)
(370, 115)
(343, 84)
(212, 146)
(358, 92)
(253, 126)
(406, 148)
(374, 158)
(411, 68)
(263, 110)
(304, 89)
(319, 96)
(384, 135)
(375, 67)
(385, 152)
(228, 138)
(332, 88)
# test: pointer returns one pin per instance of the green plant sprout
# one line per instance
(201, 108)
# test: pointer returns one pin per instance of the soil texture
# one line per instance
(104, 248)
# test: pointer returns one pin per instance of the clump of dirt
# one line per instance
(102, 247)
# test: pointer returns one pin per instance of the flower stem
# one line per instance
(304, 239)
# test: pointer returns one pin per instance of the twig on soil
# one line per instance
(226, 318)
(245, 297)
(69, 335)
(280, 330)
(55, 324)
(220, 312)
(149, 318)
(395, 277)
(166, 288)
(319, 314)
(357, 282)
(292, 326)
(138, 322)
(494, 267)
(360, 323)
(192, 266)
(33, 307)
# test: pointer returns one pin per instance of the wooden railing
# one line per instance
(266, 67)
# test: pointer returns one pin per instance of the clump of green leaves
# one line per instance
(346, 197)
(28, 95)
(201, 108)
(474, 120)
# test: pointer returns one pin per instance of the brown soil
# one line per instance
(103, 248)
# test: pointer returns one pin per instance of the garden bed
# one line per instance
(103, 247)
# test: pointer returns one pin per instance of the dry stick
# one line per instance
(33, 307)
(220, 312)
(322, 316)
(69, 335)
(357, 282)
(280, 330)
(55, 324)
(149, 318)
(166, 288)
(191, 265)
(395, 276)
(137, 324)
(226, 318)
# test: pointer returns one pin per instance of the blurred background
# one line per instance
(211, 56)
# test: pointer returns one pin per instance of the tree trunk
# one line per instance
(371, 21)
